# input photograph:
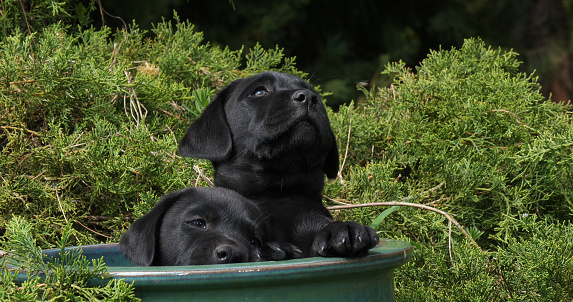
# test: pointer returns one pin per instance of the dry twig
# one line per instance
(21, 129)
(202, 175)
(450, 241)
(408, 204)
(62, 209)
(136, 109)
(91, 230)
(346, 151)
(336, 200)
(515, 117)
(402, 202)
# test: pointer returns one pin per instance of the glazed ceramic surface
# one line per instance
(369, 278)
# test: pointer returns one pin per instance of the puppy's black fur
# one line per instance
(269, 138)
(196, 226)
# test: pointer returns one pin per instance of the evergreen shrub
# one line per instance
(63, 279)
(89, 124)
(90, 119)
(471, 135)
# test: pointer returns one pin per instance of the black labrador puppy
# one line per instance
(196, 226)
(269, 138)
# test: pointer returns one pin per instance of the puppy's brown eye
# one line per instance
(259, 91)
(198, 223)
(257, 242)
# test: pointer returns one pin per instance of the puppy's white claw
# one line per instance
(340, 247)
(360, 243)
(297, 254)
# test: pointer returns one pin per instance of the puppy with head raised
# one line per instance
(269, 138)
(196, 226)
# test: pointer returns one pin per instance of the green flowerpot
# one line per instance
(369, 278)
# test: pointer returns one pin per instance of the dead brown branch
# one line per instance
(408, 204)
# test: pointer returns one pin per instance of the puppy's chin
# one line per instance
(304, 135)
(296, 142)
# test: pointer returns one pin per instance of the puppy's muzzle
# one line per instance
(305, 96)
(228, 254)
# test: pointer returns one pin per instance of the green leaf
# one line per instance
(376, 223)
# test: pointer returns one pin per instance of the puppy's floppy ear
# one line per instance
(331, 162)
(139, 241)
(209, 137)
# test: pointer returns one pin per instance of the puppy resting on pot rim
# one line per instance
(197, 226)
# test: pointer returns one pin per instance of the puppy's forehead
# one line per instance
(276, 81)
(287, 81)
(216, 201)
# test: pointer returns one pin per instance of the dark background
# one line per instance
(340, 43)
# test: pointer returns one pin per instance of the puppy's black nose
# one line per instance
(304, 96)
(227, 254)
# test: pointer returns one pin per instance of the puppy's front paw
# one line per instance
(273, 251)
(344, 238)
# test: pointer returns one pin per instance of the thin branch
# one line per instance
(62, 209)
(21, 129)
(60, 203)
(37, 176)
(135, 106)
(336, 201)
(434, 188)
(347, 146)
(25, 17)
(450, 241)
(202, 175)
(515, 117)
(101, 13)
(21, 82)
(172, 156)
(511, 113)
(108, 237)
(408, 204)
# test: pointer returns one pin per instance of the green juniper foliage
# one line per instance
(29, 17)
(63, 279)
(90, 119)
(469, 119)
(89, 124)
